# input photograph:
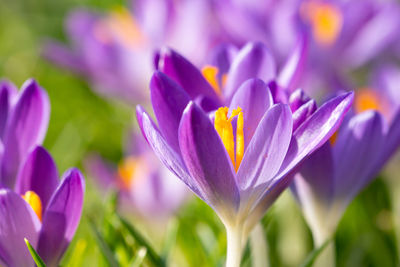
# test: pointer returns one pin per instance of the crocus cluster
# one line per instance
(238, 150)
(114, 51)
(34, 204)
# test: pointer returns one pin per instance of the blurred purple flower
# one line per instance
(24, 118)
(143, 184)
(240, 175)
(330, 179)
(343, 35)
(114, 51)
(41, 209)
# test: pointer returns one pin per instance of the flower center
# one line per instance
(210, 74)
(34, 201)
(326, 21)
(223, 125)
(367, 99)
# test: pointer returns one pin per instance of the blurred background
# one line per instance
(82, 123)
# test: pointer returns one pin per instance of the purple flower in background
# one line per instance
(144, 185)
(24, 117)
(114, 51)
(41, 209)
(237, 159)
(343, 35)
(330, 179)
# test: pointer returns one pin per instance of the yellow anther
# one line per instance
(210, 73)
(367, 99)
(34, 201)
(126, 171)
(223, 126)
(333, 138)
(326, 21)
(120, 24)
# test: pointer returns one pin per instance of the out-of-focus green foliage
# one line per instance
(82, 122)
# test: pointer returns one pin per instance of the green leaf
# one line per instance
(38, 260)
(314, 254)
(152, 255)
(140, 255)
(104, 248)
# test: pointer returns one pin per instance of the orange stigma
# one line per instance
(333, 138)
(34, 201)
(326, 21)
(126, 171)
(367, 99)
(223, 125)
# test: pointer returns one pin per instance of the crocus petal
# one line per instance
(316, 130)
(100, 171)
(266, 152)
(207, 160)
(38, 174)
(290, 74)
(164, 152)
(65, 57)
(301, 114)
(306, 139)
(169, 100)
(297, 99)
(222, 58)
(17, 221)
(253, 61)
(356, 150)
(7, 93)
(255, 99)
(61, 218)
(317, 174)
(184, 73)
(26, 127)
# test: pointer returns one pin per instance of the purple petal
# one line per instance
(317, 174)
(222, 58)
(207, 160)
(316, 130)
(26, 127)
(253, 61)
(297, 99)
(100, 171)
(65, 57)
(38, 174)
(171, 159)
(279, 95)
(266, 151)
(255, 99)
(356, 150)
(61, 218)
(184, 73)
(17, 221)
(168, 100)
(301, 114)
(290, 74)
(7, 93)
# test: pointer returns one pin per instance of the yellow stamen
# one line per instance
(367, 99)
(223, 126)
(126, 171)
(210, 73)
(120, 24)
(34, 201)
(326, 21)
(333, 138)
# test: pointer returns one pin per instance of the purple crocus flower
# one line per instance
(41, 209)
(114, 51)
(144, 185)
(330, 179)
(240, 175)
(24, 117)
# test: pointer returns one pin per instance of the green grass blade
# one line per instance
(309, 261)
(152, 255)
(38, 260)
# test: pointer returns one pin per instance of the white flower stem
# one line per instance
(327, 258)
(234, 245)
(259, 247)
